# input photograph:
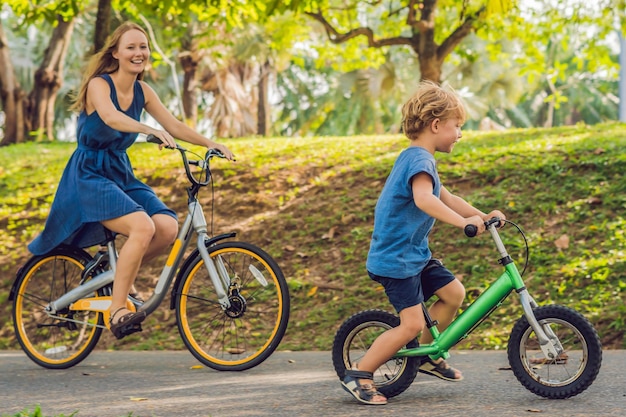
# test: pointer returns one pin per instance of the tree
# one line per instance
(103, 24)
(431, 29)
(48, 81)
(11, 96)
(35, 116)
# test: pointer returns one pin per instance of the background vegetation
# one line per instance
(320, 67)
(310, 204)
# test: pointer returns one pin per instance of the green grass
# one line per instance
(309, 202)
(35, 413)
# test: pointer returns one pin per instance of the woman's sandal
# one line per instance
(440, 370)
(363, 393)
(129, 323)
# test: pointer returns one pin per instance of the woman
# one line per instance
(98, 188)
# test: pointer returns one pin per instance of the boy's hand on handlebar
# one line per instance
(476, 221)
(496, 213)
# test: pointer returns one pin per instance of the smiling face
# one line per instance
(132, 51)
(448, 133)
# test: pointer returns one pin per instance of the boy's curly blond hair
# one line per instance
(430, 102)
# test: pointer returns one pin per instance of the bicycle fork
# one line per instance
(548, 341)
(217, 271)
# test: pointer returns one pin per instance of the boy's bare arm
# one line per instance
(423, 197)
(459, 205)
(465, 209)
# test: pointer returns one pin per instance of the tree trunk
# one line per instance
(189, 59)
(190, 87)
(48, 81)
(103, 24)
(11, 97)
(263, 109)
(430, 68)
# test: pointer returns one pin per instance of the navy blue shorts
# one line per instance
(409, 292)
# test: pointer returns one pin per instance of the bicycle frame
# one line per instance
(80, 298)
(482, 307)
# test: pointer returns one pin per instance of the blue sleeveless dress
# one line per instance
(98, 183)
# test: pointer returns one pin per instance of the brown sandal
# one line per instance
(129, 323)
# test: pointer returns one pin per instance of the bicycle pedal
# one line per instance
(128, 330)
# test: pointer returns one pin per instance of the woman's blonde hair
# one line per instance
(430, 102)
(103, 62)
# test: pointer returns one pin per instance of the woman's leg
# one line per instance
(139, 229)
(166, 229)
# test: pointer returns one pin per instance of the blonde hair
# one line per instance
(430, 102)
(103, 62)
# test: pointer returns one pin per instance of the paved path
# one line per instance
(302, 384)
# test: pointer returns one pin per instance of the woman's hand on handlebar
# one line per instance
(225, 151)
(166, 139)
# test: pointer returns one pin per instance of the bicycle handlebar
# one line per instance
(202, 164)
(471, 230)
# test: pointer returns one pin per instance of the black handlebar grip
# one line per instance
(153, 139)
(470, 230)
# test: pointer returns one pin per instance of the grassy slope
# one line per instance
(309, 202)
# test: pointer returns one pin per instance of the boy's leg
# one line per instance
(406, 297)
(387, 344)
(450, 297)
(438, 280)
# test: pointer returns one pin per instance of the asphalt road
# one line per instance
(303, 384)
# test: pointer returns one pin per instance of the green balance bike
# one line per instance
(553, 350)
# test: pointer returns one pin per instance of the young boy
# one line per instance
(399, 257)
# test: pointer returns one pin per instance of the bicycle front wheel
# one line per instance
(61, 340)
(245, 334)
(571, 372)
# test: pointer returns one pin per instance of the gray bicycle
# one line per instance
(231, 298)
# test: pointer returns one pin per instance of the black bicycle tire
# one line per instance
(284, 309)
(371, 318)
(592, 363)
(24, 276)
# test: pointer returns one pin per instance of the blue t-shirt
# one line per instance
(399, 246)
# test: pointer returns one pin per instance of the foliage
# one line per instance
(36, 413)
(309, 203)
(549, 63)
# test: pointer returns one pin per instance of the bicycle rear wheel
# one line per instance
(572, 371)
(354, 338)
(64, 339)
(248, 332)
